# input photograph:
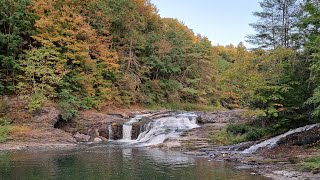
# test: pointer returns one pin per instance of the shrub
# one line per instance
(247, 132)
(4, 105)
(4, 129)
(36, 102)
(69, 105)
(222, 137)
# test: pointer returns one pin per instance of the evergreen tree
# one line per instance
(276, 24)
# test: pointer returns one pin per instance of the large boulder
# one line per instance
(47, 116)
(81, 137)
(302, 138)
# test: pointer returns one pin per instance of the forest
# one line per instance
(86, 54)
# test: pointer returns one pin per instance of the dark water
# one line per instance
(116, 163)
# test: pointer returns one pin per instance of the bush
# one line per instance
(36, 102)
(69, 105)
(4, 105)
(247, 132)
(4, 129)
(222, 137)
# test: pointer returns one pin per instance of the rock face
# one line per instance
(104, 132)
(117, 131)
(231, 116)
(47, 115)
(303, 138)
(138, 127)
(95, 125)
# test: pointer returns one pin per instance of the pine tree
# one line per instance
(276, 24)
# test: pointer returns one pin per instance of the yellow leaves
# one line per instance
(163, 47)
(83, 51)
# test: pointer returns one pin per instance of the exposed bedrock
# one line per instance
(302, 138)
(231, 116)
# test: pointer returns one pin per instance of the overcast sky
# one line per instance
(222, 21)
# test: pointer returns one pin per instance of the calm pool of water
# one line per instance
(115, 163)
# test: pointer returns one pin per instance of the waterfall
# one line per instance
(158, 130)
(127, 127)
(110, 132)
(274, 141)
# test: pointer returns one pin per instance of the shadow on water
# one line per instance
(116, 163)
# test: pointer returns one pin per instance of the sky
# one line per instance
(222, 21)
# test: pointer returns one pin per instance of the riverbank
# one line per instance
(44, 131)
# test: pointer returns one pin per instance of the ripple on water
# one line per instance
(116, 163)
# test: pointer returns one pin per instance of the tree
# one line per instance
(84, 52)
(16, 23)
(41, 76)
(276, 24)
(310, 23)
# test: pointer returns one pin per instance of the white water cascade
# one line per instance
(270, 143)
(110, 132)
(158, 130)
(127, 127)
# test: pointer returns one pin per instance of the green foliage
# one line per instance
(275, 25)
(69, 105)
(88, 54)
(4, 129)
(237, 133)
(311, 164)
(15, 28)
(246, 132)
(36, 102)
(39, 66)
(310, 22)
(222, 137)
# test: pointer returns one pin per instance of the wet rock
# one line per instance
(243, 146)
(232, 160)
(139, 127)
(212, 155)
(97, 140)
(117, 131)
(104, 132)
(81, 137)
(93, 133)
(302, 138)
(135, 131)
(195, 153)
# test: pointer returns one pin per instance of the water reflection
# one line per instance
(113, 162)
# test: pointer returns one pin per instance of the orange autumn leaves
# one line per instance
(62, 27)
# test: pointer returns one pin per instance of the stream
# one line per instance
(115, 162)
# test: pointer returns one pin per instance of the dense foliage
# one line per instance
(88, 54)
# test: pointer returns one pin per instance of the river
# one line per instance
(115, 162)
